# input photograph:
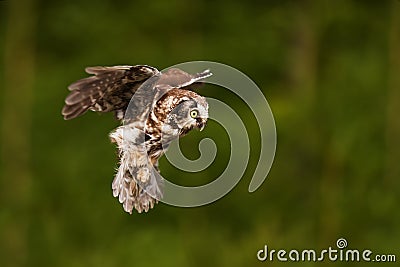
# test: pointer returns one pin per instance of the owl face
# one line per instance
(190, 114)
(191, 111)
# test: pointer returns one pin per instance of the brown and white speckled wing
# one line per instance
(136, 184)
(110, 89)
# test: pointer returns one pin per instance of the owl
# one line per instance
(154, 109)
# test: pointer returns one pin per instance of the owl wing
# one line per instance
(109, 89)
(137, 184)
(178, 78)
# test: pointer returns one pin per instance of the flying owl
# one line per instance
(154, 108)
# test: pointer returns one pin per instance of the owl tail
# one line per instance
(136, 183)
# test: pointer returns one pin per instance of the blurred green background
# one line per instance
(329, 69)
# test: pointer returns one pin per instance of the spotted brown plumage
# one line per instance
(110, 89)
(155, 108)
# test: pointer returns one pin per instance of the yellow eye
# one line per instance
(194, 113)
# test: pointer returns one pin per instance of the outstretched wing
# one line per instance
(178, 78)
(110, 89)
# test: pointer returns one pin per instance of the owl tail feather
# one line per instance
(130, 194)
(135, 183)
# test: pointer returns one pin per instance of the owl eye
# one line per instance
(194, 113)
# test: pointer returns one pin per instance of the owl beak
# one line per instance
(201, 123)
(202, 127)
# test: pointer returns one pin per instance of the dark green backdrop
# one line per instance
(329, 69)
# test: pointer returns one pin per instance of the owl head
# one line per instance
(189, 114)
(183, 111)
